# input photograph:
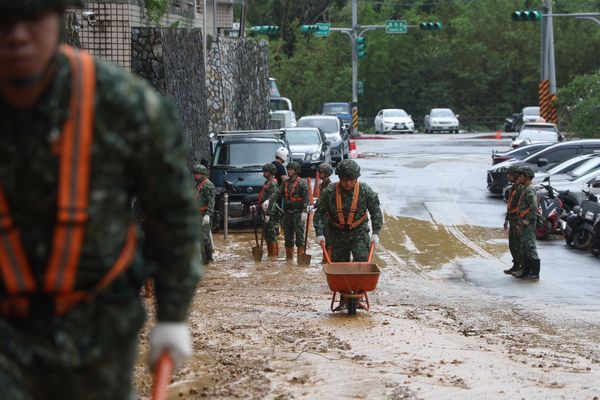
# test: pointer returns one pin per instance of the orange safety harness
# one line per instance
(342, 223)
(198, 189)
(289, 195)
(262, 190)
(72, 211)
(525, 212)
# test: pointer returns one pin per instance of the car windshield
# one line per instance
(327, 125)
(246, 154)
(531, 111)
(334, 109)
(442, 112)
(278, 105)
(395, 113)
(538, 135)
(565, 167)
(586, 167)
(308, 136)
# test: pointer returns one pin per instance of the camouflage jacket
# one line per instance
(296, 200)
(527, 205)
(512, 203)
(322, 186)
(269, 190)
(367, 201)
(138, 151)
(205, 198)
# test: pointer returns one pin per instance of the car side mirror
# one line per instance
(542, 161)
(457, 116)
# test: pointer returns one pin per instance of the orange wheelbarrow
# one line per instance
(352, 280)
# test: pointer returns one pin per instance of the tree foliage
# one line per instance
(480, 64)
(579, 105)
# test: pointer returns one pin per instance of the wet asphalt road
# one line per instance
(440, 180)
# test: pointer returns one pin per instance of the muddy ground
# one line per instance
(264, 330)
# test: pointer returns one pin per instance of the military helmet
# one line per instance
(325, 169)
(10, 9)
(295, 166)
(200, 169)
(348, 169)
(269, 167)
(513, 170)
(528, 172)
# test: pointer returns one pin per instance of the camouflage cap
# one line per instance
(527, 171)
(294, 165)
(200, 169)
(325, 169)
(10, 9)
(513, 170)
(269, 167)
(348, 169)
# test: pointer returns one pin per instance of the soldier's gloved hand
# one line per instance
(206, 220)
(265, 205)
(267, 219)
(303, 217)
(309, 209)
(252, 208)
(320, 239)
(172, 337)
(375, 238)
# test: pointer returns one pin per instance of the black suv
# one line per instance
(236, 168)
(542, 160)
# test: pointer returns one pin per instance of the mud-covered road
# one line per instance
(445, 323)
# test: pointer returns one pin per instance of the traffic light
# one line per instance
(264, 30)
(526, 15)
(430, 26)
(308, 28)
(361, 47)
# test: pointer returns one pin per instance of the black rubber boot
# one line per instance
(525, 269)
(512, 269)
(535, 270)
(208, 253)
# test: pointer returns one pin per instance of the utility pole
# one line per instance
(547, 86)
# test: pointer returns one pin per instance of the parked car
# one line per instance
(441, 120)
(392, 120)
(341, 110)
(516, 121)
(542, 160)
(334, 131)
(309, 147)
(518, 153)
(571, 168)
(535, 132)
(573, 192)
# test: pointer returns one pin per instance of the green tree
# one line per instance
(579, 105)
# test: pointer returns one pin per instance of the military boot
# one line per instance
(512, 269)
(525, 269)
(269, 249)
(535, 270)
(276, 249)
(289, 253)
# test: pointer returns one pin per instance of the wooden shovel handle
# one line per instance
(162, 376)
(325, 253)
(371, 250)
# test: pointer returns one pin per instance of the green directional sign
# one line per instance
(322, 29)
(396, 26)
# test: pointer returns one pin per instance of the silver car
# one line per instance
(333, 129)
(441, 120)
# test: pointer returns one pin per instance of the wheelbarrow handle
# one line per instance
(325, 253)
(162, 375)
(371, 251)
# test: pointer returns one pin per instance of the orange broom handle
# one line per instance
(325, 253)
(162, 376)
(371, 250)
(310, 192)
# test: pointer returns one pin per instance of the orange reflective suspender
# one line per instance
(262, 190)
(523, 213)
(350, 223)
(72, 209)
(200, 186)
(289, 195)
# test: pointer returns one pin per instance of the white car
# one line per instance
(572, 189)
(393, 120)
(571, 169)
(440, 120)
(536, 132)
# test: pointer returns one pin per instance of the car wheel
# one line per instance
(411, 132)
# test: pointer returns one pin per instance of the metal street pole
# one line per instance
(354, 65)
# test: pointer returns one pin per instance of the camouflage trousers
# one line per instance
(293, 230)
(271, 230)
(528, 243)
(514, 243)
(352, 243)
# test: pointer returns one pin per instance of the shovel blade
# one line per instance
(304, 259)
(257, 253)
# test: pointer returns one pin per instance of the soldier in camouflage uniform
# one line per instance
(68, 329)
(205, 200)
(294, 193)
(270, 218)
(511, 220)
(349, 231)
(325, 172)
(527, 217)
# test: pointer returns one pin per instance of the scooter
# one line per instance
(579, 229)
(550, 206)
(595, 243)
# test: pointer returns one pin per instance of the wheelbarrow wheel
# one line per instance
(352, 306)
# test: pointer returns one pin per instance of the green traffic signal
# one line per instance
(361, 47)
(308, 28)
(430, 26)
(526, 15)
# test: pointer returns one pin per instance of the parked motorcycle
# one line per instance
(595, 243)
(581, 221)
(550, 207)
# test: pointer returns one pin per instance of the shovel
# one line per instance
(257, 251)
(162, 375)
(304, 259)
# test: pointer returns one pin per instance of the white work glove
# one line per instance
(309, 209)
(375, 238)
(173, 337)
(320, 239)
(303, 217)
(206, 220)
(252, 208)
(265, 205)
(267, 219)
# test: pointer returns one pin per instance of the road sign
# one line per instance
(360, 87)
(396, 26)
(323, 29)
